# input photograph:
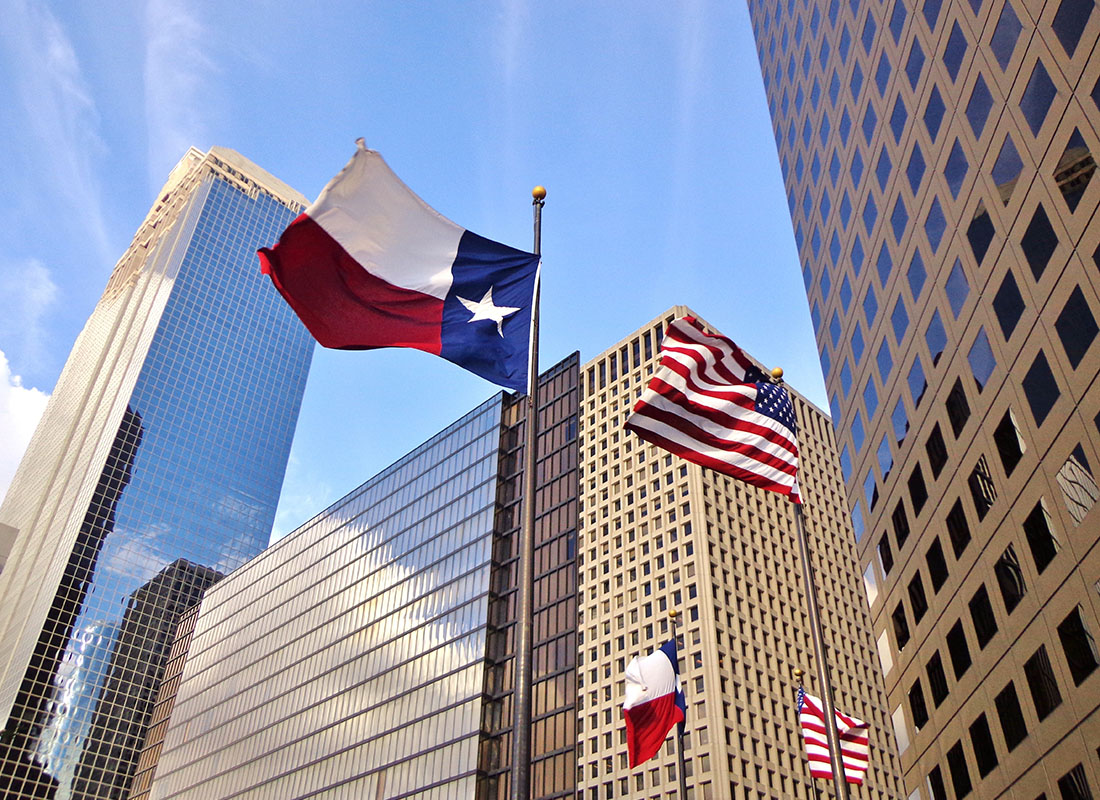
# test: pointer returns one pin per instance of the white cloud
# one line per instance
(177, 90)
(304, 496)
(60, 113)
(28, 291)
(20, 410)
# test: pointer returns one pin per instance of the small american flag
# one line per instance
(854, 744)
(708, 403)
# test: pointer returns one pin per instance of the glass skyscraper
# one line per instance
(938, 158)
(155, 470)
(369, 653)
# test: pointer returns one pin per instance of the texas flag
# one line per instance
(654, 702)
(370, 264)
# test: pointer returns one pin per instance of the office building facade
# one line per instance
(369, 653)
(658, 534)
(938, 161)
(156, 468)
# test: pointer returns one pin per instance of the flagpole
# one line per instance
(681, 769)
(839, 781)
(521, 678)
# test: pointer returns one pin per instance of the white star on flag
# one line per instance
(485, 309)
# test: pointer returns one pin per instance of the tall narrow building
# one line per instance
(938, 158)
(659, 534)
(156, 469)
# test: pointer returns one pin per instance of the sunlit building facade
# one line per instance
(659, 534)
(938, 158)
(370, 652)
(156, 468)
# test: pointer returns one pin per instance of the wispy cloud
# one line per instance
(60, 114)
(20, 410)
(28, 291)
(177, 85)
(303, 496)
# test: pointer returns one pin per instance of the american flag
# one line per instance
(854, 744)
(710, 404)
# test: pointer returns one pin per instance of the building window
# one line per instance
(901, 627)
(984, 751)
(1074, 785)
(918, 492)
(936, 338)
(901, 731)
(1078, 645)
(916, 705)
(1010, 447)
(1040, 537)
(1039, 242)
(901, 524)
(885, 556)
(1038, 95)
(982, 489)
(981, 614)
(981, 360)
(937, 451)
(958, 649)
(960, 775)
(1040, 388)
(1077, 166)
(935, 785)
(1005, 35)
(1011, 716)
(958, 409)
(917, 382)
(958, 529)
(937, 679)
(1076, 327)
(917, 598)
(1040, 680)
(937, 565)
(1008, 165)
(1008, 305)
(957, 288)
(1079, 489)
(1010, 579)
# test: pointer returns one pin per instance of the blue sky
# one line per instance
(646, 121)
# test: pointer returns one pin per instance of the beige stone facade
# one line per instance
(939, 159)
(658, 533)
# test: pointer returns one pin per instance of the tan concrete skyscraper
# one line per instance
(658, 533)
(938, 158)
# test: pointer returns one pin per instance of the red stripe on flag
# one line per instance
(341, 303)
(647, 726)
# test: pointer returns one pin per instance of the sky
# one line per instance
(646, 121)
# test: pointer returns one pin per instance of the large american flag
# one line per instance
(854, 746)
(710, 404)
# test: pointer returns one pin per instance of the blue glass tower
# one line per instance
(155, 470)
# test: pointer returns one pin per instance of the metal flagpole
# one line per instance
(521, 677)
(839, 781)
(681, 769)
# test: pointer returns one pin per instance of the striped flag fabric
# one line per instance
(708, 403)
(854, 745)
(654, 702)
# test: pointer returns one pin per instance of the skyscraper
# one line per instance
(350, 676)
(369, 653)
(657, 534)
(938, 161)
(156, 467)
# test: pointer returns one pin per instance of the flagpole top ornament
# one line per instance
(673, 614)
(777, 373)
(539, 193)
(798, 673)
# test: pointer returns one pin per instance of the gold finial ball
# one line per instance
(798, 673)
(674, 613)
(539, 193)
(777, 373)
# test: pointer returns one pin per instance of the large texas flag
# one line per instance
(370, 265)
(654, 702)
